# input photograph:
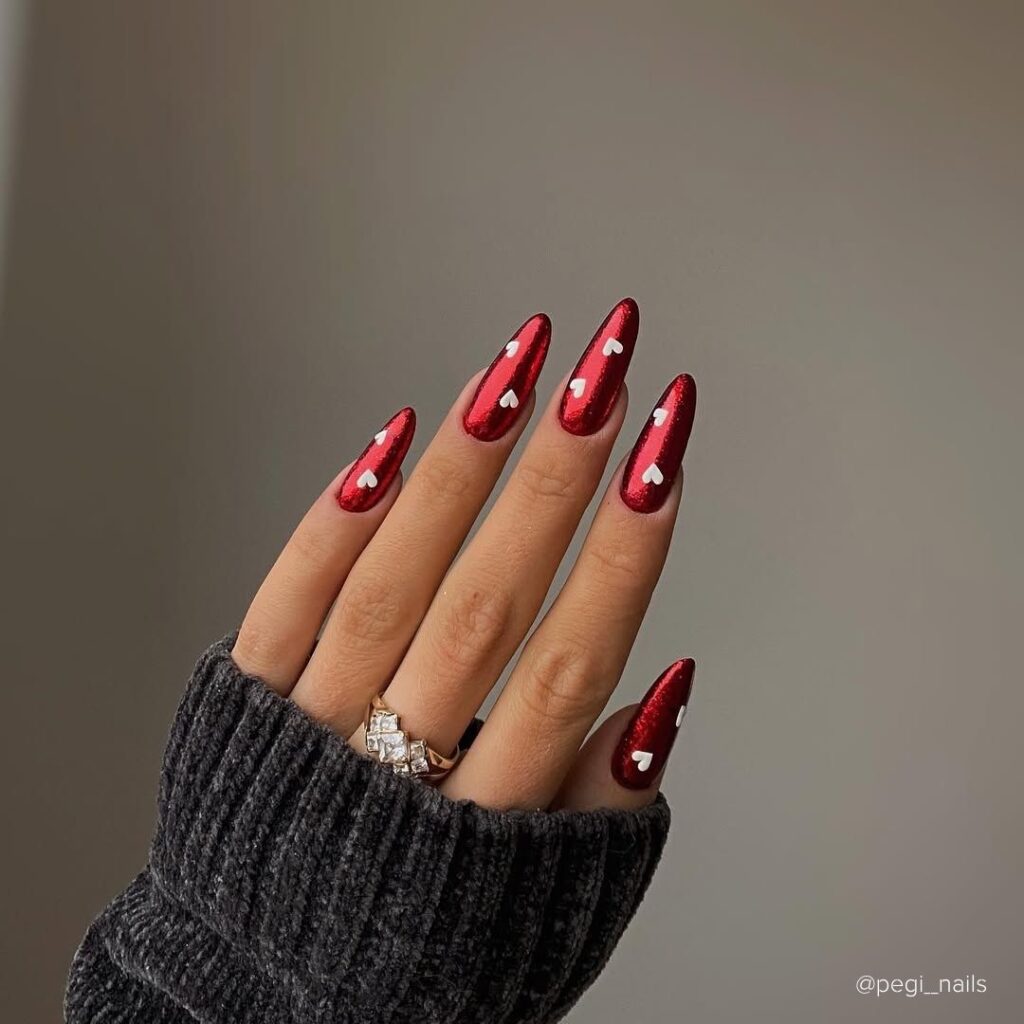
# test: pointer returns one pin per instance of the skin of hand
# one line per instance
(372, 571)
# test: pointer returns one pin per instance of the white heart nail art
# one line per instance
(612, 345)
(508, 400)
(512, 347)
(577, 385)
(680, 716)
(379, 438)
(652, 475)
(367, 479)
(643, 759)
(660, 415)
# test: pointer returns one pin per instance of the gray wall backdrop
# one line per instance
(239, 235)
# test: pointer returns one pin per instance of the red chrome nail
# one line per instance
(371, 474)
(509, 381)
(658, 452)
(647, 741)
(595, 383)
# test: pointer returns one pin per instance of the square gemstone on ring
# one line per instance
(383, 721)
(418, 757)
(394, 748)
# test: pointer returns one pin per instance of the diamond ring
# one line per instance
(385, 740)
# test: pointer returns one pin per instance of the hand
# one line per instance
(375, 560)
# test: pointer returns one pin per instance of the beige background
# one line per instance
(239, 235)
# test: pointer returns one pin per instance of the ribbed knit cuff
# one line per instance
(292, 879)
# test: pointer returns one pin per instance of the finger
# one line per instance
(493, 593)
(622, 765)
(570, 666)
(282, 622)
(573, 661)
(383, 601)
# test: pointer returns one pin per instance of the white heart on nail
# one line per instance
(379, 437)
(652, 475)
(512, 348)
(577, 385)
(680, 716)
(659, 417)
(643, 759)
(367, 479)
(612, 345)
(508, 400)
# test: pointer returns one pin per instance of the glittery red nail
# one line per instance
(595, 383)
(655, 459)
(509, 381)
(371, 474)
(647, 741)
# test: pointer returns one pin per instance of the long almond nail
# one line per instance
(597, 380)
(658, 453)
(372, 473)
(509, 381)
(647, 741)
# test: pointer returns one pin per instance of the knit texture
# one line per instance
(294, 880)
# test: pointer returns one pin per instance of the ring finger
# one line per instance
(390, 587)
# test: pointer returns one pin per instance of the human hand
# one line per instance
(372, 571)
(291, 878)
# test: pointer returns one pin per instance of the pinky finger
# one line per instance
(622, 764)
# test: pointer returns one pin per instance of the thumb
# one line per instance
(622, 764)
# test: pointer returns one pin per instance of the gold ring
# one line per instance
(385, 739)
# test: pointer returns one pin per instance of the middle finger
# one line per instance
(493, 593)
(574, 658)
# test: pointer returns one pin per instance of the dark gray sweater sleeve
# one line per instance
(294, 880)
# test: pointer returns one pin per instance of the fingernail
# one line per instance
(371, 474)
(509, 381)
(647, 741)
(595, 383)
(658, 453)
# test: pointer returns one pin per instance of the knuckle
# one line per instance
(559, 686)
(259, 647)
(443, 479)
(618, 566)
(475, 620)
(547, 477)
(313, 548)
(368, 609)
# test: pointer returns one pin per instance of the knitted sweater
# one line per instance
(293, 880)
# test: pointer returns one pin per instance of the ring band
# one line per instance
(385, 740)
